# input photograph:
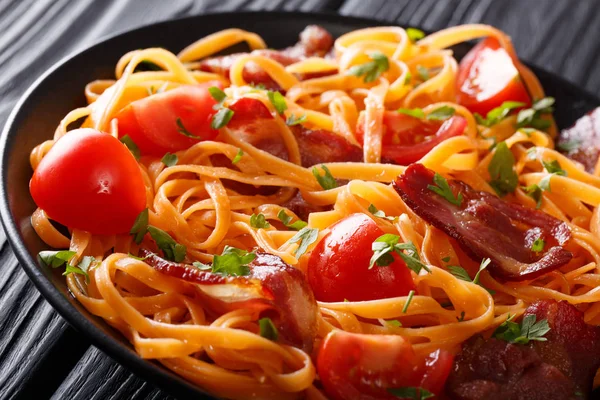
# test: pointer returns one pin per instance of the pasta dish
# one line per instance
(365, 217)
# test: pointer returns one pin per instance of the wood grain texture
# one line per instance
(40, 355)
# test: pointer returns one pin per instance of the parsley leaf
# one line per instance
(442, 188)
(538, 245)
(413, 112)
(462, 274)
(459, 272)
(259, 221)
(172, 250)
(169, 159)
(221, 118)
(412, 393)
(415, 34)
(182, 129)
(223, 115)
(373, 69)
(233, 262)
(306, 237)
(268, 329)
(130, 144)
(532, 116)
(237, 157)
(535, 192)
(385, 245)
(55, 259)
(544, 183)
(278, 101)
(292, 120)
(504, 178)
(327, 181)
(569, 145)
(441, 114)
(286, 219)
(378, 213)
(554, 167)
(393, 322)
(408, 301)
(140, 226)
(498, 114)
(446, 259)
(423, 73)
(522, 333)
(484, 264)
(82, 268)
(217, 94)
(544, 105)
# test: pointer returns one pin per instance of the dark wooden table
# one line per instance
(43, 357)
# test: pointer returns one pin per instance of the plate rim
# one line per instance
(149, 370)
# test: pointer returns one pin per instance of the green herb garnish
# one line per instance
(385, 245)
(287, 221)
(306, 237)
(501, 169)
(130, 144)
(327, 181)
(292, 120)
(172, 250)
(237, 157)
(442, 188)
(268, 329)
(278, 101)
(522, 333)
(140, 226)
(169, 159)
(259, 221)
(373, 69)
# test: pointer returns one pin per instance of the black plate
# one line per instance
(60, 90)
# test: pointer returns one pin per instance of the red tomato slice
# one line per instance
(90, 181)
(407, 139)
(152, 122)
(354, 366)
(487, 77)
(338, 267)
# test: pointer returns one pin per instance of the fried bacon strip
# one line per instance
(562, 367)
(253, 122)
(488, 227)
(581, 142)
(314, 42)
(272, 287)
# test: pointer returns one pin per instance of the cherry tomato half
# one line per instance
(155, 123)
(487, 77)
(338, 267)
(90, 181)
(363, 367)
(407, 139)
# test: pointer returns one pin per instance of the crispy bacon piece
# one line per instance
(253, 122)
(563, 367)
(583, 140)
(314, 42)
(486, 226)
(272, 287)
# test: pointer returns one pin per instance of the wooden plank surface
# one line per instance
(40, 355)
